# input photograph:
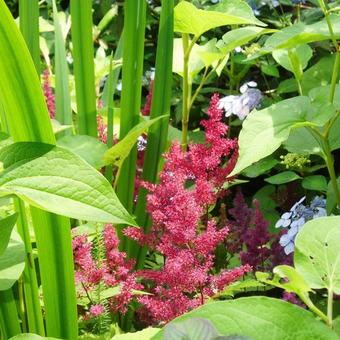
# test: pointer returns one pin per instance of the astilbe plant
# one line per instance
(250, 237)
(112, 270)
(182, 230)
(48, 93)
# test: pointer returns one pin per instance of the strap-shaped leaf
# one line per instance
(55, 179)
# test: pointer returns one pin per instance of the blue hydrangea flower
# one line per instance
(298, 215)
(243, 104)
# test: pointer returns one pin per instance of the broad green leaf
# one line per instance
(56, 180)
(331, 199)
(241, 287)
(295, 59)
(295, 283)
(315, 182)
(200, 56)
(87, 147)
(287, 86)
(260, 318)
(320, 95)
(190, 19)
(145, 334)
(319, 74)
(270, 70)
(260, 167)
(303, 142)
(299, 33)
(283, 177)
(264, 131)
(6, 227)
(120, 151)
(29, 336)
(317, 256)
(12, 262)
(193, 329)
(241, 36)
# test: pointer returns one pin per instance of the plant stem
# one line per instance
(330, 307)
(330, 167)
(186, 91)
(31, 289)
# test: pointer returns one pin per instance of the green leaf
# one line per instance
(241, 287)
(241, 36)
(301, 141)
(316, 182)
(295, 59)
(62, 91)
(145, 334)
(260, 318)
(120, 151)
(193, 329)
(331, 199)
(270, 70)
(201, 56)
(273, 125)
(319, 74)
(260, 167)
(81, 29)
(190, 19)
(57, 180)
(287, 86)
(12, 262)
(299, 33)
(283, 177)
(295, 283)
(29, 336)
(87, 147)
(6, 227)
(317, 256)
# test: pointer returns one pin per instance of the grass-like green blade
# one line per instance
(160, 105)
(83, 54)
(62, 91)
(31, 288)
(133, 53)
(29, 26)
(28, 120)
(9, 320)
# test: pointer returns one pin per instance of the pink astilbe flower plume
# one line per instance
(182, 231)
(113, 270)
(48, 93)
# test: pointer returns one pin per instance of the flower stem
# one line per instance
(330, 307)
(186, 91)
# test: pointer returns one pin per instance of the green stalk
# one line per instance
(28, 119)
(186, 91)
(160, 105)
(330, 307)
(83, 54)
(109, 168)
(62, 92)
(9, 320)
(31, 289)
(29, 27)
(57, 273)
(330, 166)
(133, 53)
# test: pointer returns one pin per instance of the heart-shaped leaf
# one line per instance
(56, 180)
(260, 318)
(6, 227)
(317, 256)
